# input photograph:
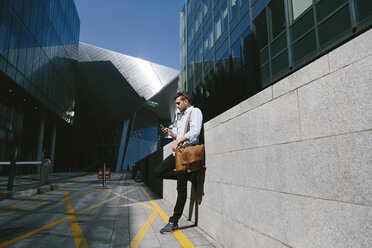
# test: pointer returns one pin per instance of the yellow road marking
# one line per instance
(55, 222)
(87, 209)
(142, 232)
(182, 239)
(78, 234)
(36, 197)
(133, 200)
(32, 232)
(45, 203)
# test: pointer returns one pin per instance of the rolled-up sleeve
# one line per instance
(196, 121)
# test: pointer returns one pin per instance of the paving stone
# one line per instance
(107, 225)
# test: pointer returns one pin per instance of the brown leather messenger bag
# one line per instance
(189, 158)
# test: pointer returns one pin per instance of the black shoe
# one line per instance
(170, 227)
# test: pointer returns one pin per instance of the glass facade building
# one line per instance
(70, 101)
(232, 49)
(38, 70)
(120, 101)
(39, 49)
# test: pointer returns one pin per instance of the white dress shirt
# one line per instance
(195, 125)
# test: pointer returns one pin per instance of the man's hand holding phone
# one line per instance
(168, 132)
(165, 130)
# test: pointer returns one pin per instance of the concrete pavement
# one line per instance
(81, 213)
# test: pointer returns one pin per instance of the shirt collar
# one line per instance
(187, 111)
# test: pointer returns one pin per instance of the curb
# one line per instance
(14, 194)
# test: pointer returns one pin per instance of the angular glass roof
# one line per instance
(145, 77)
(112, 86)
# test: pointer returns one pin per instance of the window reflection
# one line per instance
(298, 7)
(246, 44)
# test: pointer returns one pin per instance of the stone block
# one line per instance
(355, 152)
(311, 72)
(226, 168)
(273, 123)
(213, 140)
(170, 195)
(338, 103)
(276, 215)
(256, 218)
(167, 150)
(256, 100)
(212, 123)
(230, 233)
(307, 168)
(252, 102)
(351, 51)
(231, 113)
(336, 224)
(169, 191)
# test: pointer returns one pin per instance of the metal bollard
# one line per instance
(104, 175)
(12, 168)
(45, 170)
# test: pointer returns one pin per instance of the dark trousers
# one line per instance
(166, 170)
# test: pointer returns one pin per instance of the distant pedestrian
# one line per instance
(166, 170)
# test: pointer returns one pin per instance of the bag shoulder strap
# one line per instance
(187, 122)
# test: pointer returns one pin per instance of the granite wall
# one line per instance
(292, 165)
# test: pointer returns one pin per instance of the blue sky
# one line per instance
(147, 29)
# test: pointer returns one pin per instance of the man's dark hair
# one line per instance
(184, 95)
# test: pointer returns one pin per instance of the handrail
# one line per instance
(12, 164)
(22, 163)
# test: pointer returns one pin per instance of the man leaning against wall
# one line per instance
(166, 169)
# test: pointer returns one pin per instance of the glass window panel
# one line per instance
(198, 18)
(234, 22)
(33, 18)
(225, 17)
(217, 5)
(210, 39)
(257, 7)
(325, 7)
(11, 71)
(277, 17)
(263, 56)
(279, 44)
(260, 30)
(5, 24)
(206, 6)
(18, 5)
(222, 39)
(235, 34)
(22, 53)
(265, 73)
(246, 33)
(302, 25)
(189, 6)
(364, 8)
(234, 6)
(14, 40)
(304, 46)
(244, 9)
(279, 63)
(27, 8)
(334, 26)
(222, 50)
(218, 28)
(236, 50)
(206, 44)
(2, 64)
(244, 23)
(298, 7)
